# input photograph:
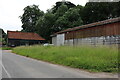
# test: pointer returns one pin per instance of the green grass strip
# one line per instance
(96, 59)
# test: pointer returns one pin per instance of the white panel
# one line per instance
(60, 39)
(54, 40)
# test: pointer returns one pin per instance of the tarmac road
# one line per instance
(16, 66)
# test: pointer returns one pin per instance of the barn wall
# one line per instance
(54, 40)
(60, 39)
(69, 42)
(100, 35)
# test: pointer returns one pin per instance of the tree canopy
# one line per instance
(30, 16)
(59, 3)
(98, 11)
(53, 21)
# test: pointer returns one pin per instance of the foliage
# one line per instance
(61, 10)
(98, 11)
(73, 17)
(2, 33)
(98, 59)
(58, 4)
(64, 17)
(44, 25)
(3, 37)
(30, 16)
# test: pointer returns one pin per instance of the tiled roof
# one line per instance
(23, 35)
(90, 25)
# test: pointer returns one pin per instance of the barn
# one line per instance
(16, 38)
(105, 32)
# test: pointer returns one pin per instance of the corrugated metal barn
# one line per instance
(105, 32)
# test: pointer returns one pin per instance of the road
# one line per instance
(16, 66)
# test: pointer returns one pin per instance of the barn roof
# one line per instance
(24, 35)
(109, 21)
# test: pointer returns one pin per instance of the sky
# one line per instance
(10, 10)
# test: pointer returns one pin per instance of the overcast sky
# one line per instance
(10, 10)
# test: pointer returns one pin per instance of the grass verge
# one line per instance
(6, 48)
(95, 59)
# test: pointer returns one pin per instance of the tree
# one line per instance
(61, 10)
(45, 25)
(59, 3)
(115, 9)
(67, 17)
(63, 18)
(30, 16)
(74, 17)
(60, 22)
(3, 37)
(70, 19)
(98, 11)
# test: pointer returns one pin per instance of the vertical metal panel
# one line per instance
(54, 40)
(60, 39)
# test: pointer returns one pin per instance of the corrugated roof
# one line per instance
(24, 35)
(90, 25)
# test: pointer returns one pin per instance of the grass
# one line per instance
(6, 48)
(95, 59)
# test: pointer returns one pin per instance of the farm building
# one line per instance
(16, 38)
(105, 32)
